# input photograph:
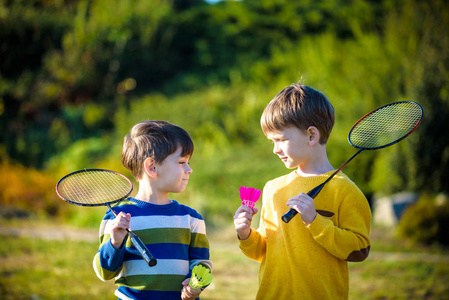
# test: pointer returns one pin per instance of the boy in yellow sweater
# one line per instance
(306, 258)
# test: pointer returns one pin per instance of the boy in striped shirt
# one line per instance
(157, 153)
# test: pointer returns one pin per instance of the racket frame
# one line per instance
(93, 204)
(377, 109)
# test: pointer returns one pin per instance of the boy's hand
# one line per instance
(305, 206)
(242, 221)
(118, 229)
(187, 293)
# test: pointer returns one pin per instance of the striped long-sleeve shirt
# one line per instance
(176, 236)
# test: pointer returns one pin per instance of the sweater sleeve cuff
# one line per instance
(111, 258)
(318, 225)
(249, 241)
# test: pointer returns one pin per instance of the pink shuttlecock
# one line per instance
(249, 196)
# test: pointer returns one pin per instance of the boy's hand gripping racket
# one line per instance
(95, 187)
(380, 128)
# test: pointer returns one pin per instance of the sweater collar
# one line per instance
(318, 178)
(144, 204)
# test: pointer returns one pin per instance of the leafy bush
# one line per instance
(427, 221)
(28, 189)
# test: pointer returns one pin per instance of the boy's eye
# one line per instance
(278, 140)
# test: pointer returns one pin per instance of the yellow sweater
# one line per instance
(309, 262)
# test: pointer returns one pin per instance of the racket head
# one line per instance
(94, 187)
(386, 125)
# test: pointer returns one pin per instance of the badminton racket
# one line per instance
(380, 128)
(96, 187)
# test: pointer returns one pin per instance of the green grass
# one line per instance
(399, 280)
(46, 269)
(38, 268)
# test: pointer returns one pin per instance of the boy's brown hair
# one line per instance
(301, 106)
(155, 139)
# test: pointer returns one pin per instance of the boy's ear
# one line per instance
(150, 167)
(314, 135)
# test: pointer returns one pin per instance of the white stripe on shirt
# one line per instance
(141, 223)
(163, 267)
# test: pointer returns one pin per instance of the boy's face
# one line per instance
(173, 172)
(291, 145)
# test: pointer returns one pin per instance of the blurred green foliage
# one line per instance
(75, 75)
(426, 221)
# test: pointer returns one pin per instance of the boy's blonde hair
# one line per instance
(154, 139)
(301, 106)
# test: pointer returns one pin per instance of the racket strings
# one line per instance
(94, 187)
(386, 125)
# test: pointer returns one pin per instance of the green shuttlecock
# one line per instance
(201, 277)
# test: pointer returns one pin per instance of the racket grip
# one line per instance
(143, 250)
(140, 246)
(289, 215)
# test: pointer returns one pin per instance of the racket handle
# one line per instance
(140, 246)
(288, 216)
(143, 250)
